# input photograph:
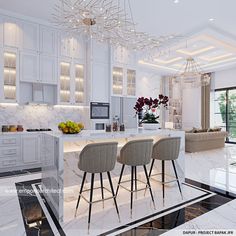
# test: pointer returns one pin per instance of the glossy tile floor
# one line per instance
(26, 213)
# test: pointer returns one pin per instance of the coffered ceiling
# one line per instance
(211, 47)
(214, 49)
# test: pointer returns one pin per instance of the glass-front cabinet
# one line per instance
(118, 81)
(72, 82)
(79, 84)
(123, 82)
(131, 82)
(10, 76)
(65, 83)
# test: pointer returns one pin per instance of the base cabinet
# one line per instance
(20, 152)
(30, 146)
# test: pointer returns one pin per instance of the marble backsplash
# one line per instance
(33, 116)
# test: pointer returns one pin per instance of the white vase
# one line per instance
(151, 126)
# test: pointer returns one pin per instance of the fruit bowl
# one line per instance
(70, 127)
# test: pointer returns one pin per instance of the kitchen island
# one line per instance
(61, 177)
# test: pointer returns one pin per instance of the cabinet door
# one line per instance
(65, 88)
(30, 149)
(47, 41)
(30, 40)
(48, 70)
(65, 46)
(29, 64)
(11, 33)
(10, 69)
(78, 48)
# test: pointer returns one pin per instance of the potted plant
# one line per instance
(149, 108)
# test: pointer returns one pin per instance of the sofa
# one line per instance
(202, 141)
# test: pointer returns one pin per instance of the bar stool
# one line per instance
(97, 158)
(135, 153)
(166, 149)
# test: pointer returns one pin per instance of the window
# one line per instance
(225, 111)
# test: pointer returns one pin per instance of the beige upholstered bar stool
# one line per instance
(166, 149)
(135, 153)
(97, 158)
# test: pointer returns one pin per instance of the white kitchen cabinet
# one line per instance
(65, 45)
(72, 82)
(12, 32)
(72, 47)
(123, 81)
(30, 39)
(48, 73)
(9, 90)
(79, 83)
(48, 41)
(65, 81)
(78, 48)
(29, 64)
(30, 147)
(10, 155)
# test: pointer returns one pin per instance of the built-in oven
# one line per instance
(100, 114)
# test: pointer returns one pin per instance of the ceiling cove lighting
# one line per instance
(155, 65)
(195, 52)
(219, 62)
(216, 58)
(191, 76)
(105, 21)
(169, 61)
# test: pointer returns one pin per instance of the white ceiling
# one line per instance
(163, 17)
(157, 17)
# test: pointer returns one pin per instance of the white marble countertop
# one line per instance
(128, 133)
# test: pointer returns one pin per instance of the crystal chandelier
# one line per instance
(191, 75)
(106, 21)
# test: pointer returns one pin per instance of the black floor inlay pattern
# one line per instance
(34, 218)
(36, 222)
(19, 172)
(179, 217)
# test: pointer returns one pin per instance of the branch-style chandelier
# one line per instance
(191, 75)
(106, 21)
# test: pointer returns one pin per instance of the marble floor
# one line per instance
(208, 203)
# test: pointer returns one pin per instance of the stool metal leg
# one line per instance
(91, 199)
(136, 185)
(150, 172)
(80, 192)
(101, 180)
(113, 194)
(176, 175)
(149, 185)
(121, 173)
(132, 190)
(163, 178)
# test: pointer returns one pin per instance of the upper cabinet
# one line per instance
(71, 90)
(48, 44)
(123, 82)
(30, 36)
(10, 82)
(29, 64)
(12, 32)
(71, 47)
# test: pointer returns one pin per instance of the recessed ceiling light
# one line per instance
(176, 1)
(211, 19)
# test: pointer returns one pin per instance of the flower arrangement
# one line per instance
(149, 107)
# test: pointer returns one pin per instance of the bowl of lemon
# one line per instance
(70, 127)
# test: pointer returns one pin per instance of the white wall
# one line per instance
(191, 108)
(148, 83)
(225, 78)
